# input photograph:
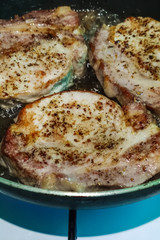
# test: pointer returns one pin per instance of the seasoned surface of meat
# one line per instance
(126, 58)
(41, 52)
(80, 141)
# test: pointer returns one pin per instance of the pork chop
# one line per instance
(41, 53)
(80, 141)
(126, 59)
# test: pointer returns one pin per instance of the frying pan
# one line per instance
(74, 200)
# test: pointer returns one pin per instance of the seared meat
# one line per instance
(41, 52)
(126, 58)
(80, 141)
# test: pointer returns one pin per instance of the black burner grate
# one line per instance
(72, 225)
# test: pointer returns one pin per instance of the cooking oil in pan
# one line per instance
(93, 20)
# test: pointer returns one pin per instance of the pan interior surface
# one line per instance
(123, 8)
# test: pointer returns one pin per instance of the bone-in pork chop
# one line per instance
(81, 141)
(41, 52)
(126, 58)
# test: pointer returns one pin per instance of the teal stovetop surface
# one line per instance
(90, 222)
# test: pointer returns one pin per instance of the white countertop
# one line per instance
(147, 231)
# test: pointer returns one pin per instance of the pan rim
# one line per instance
(104, 193)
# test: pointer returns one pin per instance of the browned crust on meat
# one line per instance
(137, 116)
(28, 165)
(140, 26)
(135, 40)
